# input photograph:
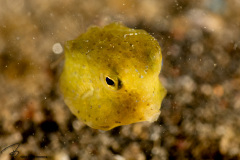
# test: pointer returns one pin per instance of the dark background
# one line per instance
(200, 43)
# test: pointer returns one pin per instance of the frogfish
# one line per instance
(110, 76)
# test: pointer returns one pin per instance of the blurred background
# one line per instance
(200, 43)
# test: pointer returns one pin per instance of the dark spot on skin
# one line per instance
(118, 112)
(96, 119)
(78, 111)
(117, 122)
(148, 104)
(134, 109)
(119, 84)
(89, 115)
(84, 120)
(125, 90)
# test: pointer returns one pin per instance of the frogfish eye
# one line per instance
(109, 81)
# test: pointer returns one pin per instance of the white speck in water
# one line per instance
(57, 48)
(45, 97)
(215, 64)
(136, 70)
(141, 76)
(33, 38)
(99, 106)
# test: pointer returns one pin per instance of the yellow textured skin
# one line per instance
(131, 59)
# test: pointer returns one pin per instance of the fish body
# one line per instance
(111, 76)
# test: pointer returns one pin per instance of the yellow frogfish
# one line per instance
(111, 77)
